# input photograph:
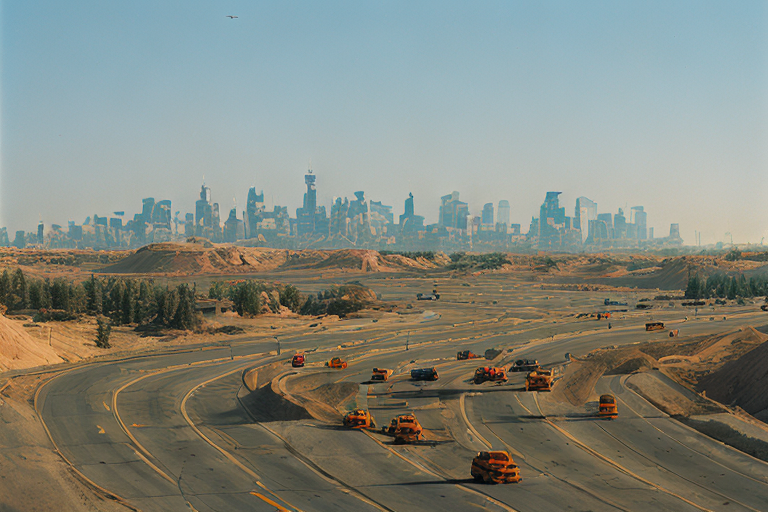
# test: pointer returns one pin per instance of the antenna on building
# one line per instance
(309, 171)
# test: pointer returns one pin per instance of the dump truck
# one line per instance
(495, 467)
(298, 361)
(490, 374)
(524, 365)
(405, 428)
(539, 380)
(466, 354)
(381, 374)
(654, 326)
(424, 374)
(336, 362)
(607, 407)
(359, 418)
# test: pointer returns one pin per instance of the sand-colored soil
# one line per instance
(19, 349)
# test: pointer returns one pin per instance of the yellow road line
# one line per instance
(224, 452)
(469, 424)
(267, 500)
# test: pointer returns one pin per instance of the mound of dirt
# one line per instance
(20, 350)
(199, 256)
(742, 382)
(266, 405)
(320, 395)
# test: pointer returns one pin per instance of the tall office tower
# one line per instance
(641, 219)
(503, 213)
(586, 210)
(487, 216)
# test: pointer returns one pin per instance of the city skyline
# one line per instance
(654, 104)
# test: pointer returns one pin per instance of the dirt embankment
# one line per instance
(320, 394)
(19, 349)
(714, 362)
(742, 382)
(201, 257)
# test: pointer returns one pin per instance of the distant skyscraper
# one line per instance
(586, 210)
(641, 219)
(488, 214)
(674, 231)
(503, 213)
(453, 213)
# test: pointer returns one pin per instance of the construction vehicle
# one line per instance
(524, 365)
(495, 467)
(336, 362)
(466, 354)
(381, 374)
(654, 326)
(490, 373)
(607, 407)
(298, 361)
(764, 307)
(609, 302)
(643, 305)
(424, 374)
(674, 333)
(405, 428)
(539, 380)
(428, 296)
(359, 418)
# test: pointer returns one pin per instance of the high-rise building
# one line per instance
(551, 220)
(641, 219)
(619, 225)
(203, 211)
(487, 215)
(40, 233)
(503, 212)
(453, 213)
(410, 223)
(674, 231)
(586, 210)
(309, 218)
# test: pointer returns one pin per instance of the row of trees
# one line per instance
(123, 301)
(727, 287)
(249, 298)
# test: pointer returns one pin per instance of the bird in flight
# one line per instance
(231, 17)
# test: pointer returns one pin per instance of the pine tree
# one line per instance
(103, 332)
(128, 303)
(19, 286)
(5, 288)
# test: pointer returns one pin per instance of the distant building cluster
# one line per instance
(357, 222)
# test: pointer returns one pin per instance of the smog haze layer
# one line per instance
(645, 103)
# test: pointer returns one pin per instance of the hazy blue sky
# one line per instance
(661, 104)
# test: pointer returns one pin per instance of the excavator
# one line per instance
(466, 354)
(495, 467)
(490, 373)
(539, 380)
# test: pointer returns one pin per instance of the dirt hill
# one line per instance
(202, 257)
(20, 350)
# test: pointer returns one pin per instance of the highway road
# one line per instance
(179, 431)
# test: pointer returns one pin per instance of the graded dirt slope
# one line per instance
(742, 382)
(20, 350)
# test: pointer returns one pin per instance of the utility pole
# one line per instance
(278, 344)
(407, 339)
(50, 331)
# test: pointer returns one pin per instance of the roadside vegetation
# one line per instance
(251, 298)
(490, 261)
(726, 287)
(120, 300)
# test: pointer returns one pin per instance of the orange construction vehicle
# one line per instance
(495, 468)
(298, 361)
(381, 374)
(607, 408)
(490, 373)
(654, 326)
(466, 354)
(359, 418)
(674, 333)
(539, 380)
(336, 362)
(406, 429)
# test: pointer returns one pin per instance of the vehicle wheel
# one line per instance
(478, 477)
(487, 478)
